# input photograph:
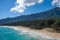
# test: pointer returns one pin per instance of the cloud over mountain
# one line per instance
(20, 5)
(56, 3)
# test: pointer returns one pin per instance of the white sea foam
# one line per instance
(34, 34)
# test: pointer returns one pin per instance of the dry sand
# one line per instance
(43, 31)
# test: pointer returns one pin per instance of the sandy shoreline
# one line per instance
(43, 31)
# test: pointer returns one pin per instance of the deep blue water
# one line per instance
(11, 34)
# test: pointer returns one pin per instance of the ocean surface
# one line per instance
(7, 33)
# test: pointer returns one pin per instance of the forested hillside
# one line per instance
(39, 24)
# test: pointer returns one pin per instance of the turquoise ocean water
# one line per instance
(11, 34)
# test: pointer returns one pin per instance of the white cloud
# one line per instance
(20, 5)
(56, 3)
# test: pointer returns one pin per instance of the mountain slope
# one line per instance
(55, 12)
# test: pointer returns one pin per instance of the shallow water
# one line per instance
(11, 34)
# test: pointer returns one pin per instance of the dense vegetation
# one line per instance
(53, 23)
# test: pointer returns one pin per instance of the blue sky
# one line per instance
(7, 5)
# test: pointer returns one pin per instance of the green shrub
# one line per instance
(56, 26)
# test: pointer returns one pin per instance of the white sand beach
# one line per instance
(36, 33)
